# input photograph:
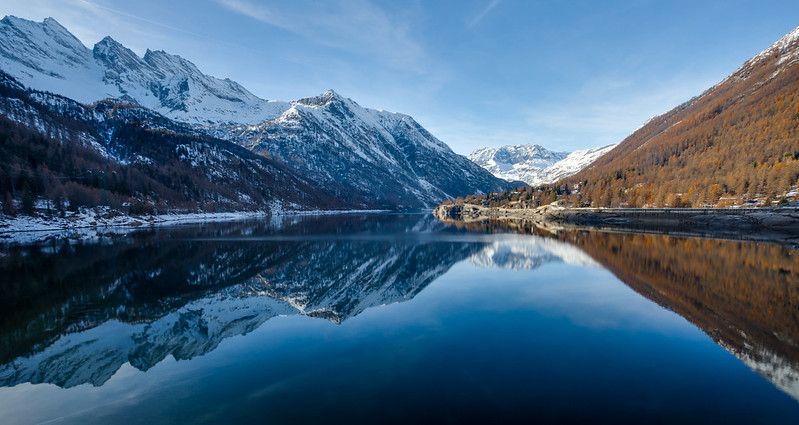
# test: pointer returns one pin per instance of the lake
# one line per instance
(396, 318)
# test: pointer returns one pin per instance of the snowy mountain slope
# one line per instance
(164, 163)
(365, 153)
(46, 56)
(520, 162)
(523, 252)
(534, 164)
(574, 162)
(370, 158)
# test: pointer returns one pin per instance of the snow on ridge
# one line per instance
(525, 252)
(534, 164)
(387, 123)
(46, 56)
(780, 45)
(575, 162)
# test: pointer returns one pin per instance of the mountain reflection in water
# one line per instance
(75, 312)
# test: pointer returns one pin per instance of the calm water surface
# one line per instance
(397, 319)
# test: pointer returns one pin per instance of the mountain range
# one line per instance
(363, 158)
(117, 154)
(534, 164)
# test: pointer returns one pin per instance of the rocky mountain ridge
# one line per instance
(367, 158)
(114, 154)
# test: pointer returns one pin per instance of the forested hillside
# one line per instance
(737, 142)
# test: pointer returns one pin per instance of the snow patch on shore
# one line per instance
(89, 224)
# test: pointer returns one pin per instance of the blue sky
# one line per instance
(563, 74)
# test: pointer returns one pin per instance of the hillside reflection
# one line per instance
(744, 295)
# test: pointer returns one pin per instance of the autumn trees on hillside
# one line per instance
(737, 142)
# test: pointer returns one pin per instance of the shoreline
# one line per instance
(28, 229)
(775, 224)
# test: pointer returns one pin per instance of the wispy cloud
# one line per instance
(356, 26)
(95, 7)
(606, 110)
(483, 13)
(126, 18)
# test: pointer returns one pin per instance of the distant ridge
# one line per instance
(534, 164)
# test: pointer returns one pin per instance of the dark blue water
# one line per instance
(383, 319)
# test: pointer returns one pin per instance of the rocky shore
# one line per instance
(781, 222)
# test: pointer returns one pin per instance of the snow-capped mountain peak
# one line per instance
(520, 162)
(368, 157)
(36, 44)
(534, 164)
(170, 65)
(117, 58)
(46, 56)
(323, 99)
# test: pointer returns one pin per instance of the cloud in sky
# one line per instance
(356, 26)
(604, 110)
(483, 13)
(90, 21)
(115, 14)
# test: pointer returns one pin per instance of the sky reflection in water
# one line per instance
(446, 326)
